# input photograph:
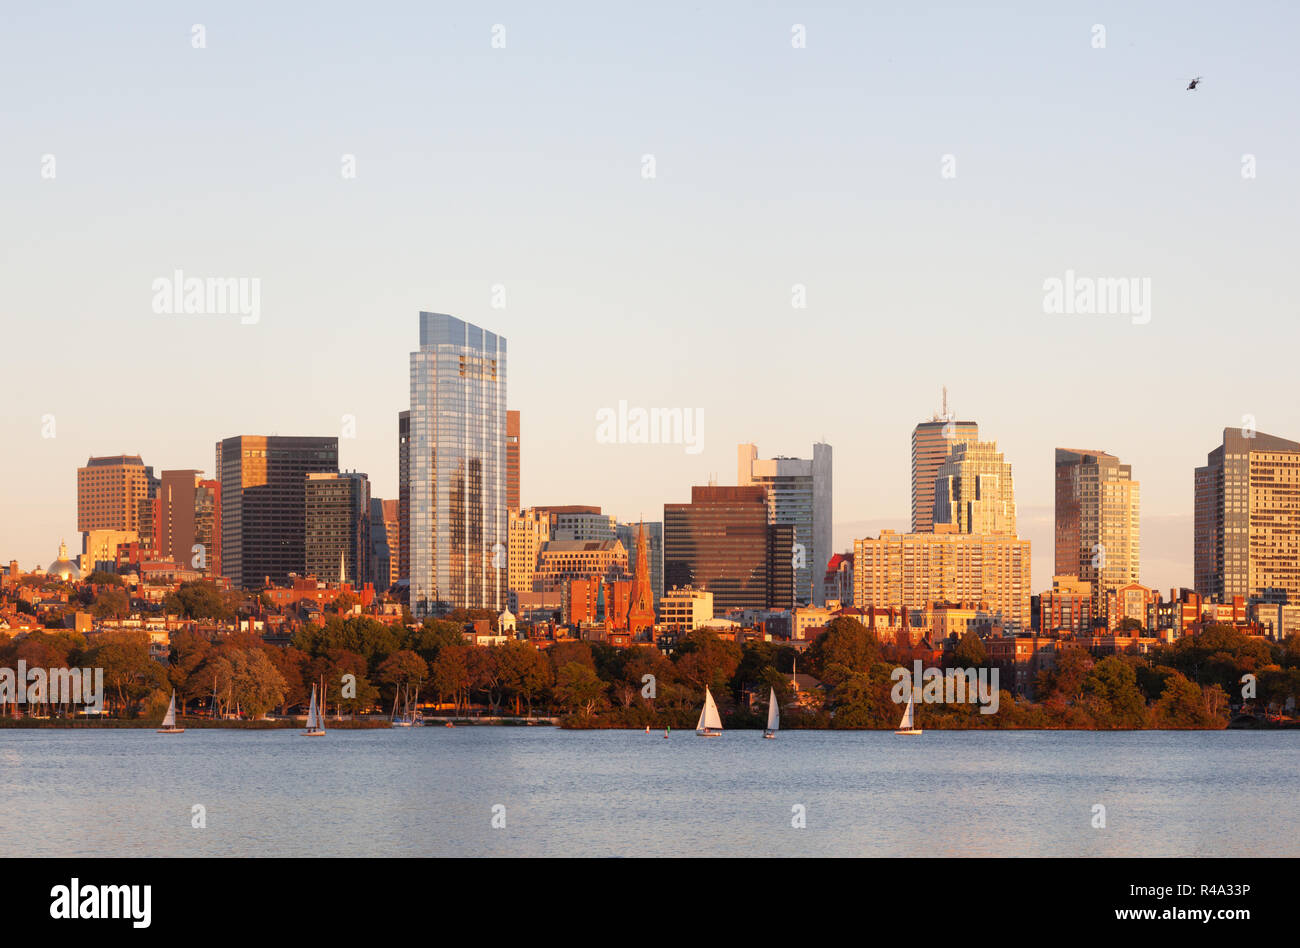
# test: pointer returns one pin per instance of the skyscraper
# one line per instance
(1097, 524)
(263, 489)
(112, 492)
(403, 551)
(1247, 519)
(721, 541)
(457, 468)
(974, 491)
(187, 517)
(384, 542)
(798, 493)
(337, 524)
(512, 460)
(931, 442)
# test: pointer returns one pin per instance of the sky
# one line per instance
(919, 170)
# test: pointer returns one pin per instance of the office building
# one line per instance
(931, 442)
(974, 491)
(457, 468)
(991, 571)
(512, 460)
(1097, 525)
(1247, 519)
(337, 522)
(721, 542)
(798, 493)
(263, 491)
(111, 492)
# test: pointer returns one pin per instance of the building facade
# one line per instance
(931, 442)
(512, 460)
(799, 493)
(112, 492)
(263, 493)
(1097, 520)
(974, 491)
(1247, 519)
(991, 571)
(338, 527)
(457, 468)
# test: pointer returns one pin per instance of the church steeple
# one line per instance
(641, 609)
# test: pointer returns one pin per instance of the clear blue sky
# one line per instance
(522, 166)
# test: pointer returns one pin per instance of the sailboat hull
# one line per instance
(708, 733)
(171, 730)
(910, 731)
(769, 735)
(312, 734)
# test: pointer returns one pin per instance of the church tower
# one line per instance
(641, 612)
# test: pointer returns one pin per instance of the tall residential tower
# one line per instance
(457, 468)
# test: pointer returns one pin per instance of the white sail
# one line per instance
(312, 723)
(773, 712)
(906, 723)
(709, 719)
(169, 719)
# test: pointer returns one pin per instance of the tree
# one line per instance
(525, 672)
(257, 685)
(449, 674)
(578, 688)
(401, 669)
(846, 643)
(970, 652)
(201, 600)
(1110, 690)
(111, 603)
(130, 673)
(1183, 706)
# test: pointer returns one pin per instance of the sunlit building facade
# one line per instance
(457, 468)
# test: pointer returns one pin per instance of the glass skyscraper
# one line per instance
(457, 468)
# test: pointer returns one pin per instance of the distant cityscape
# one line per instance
(279, 519)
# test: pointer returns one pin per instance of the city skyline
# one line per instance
(827, 174)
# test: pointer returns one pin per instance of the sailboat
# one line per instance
(773, 716)
(169, 719)
(908, 724)
(315, 719)
(404, 719)
(709, 724)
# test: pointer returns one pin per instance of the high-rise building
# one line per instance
(931, 442)
(654, 538)
(186, 521)
(337, 523)
(112, 492)
(384, 541)
(974, 491)
(404, 495)
(1247, 519)
(798, 493)
(989, 570)
(263, 489)
(528, 530)
(512, 460)
(721, 542)
(457, 468)
(1097, 521)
